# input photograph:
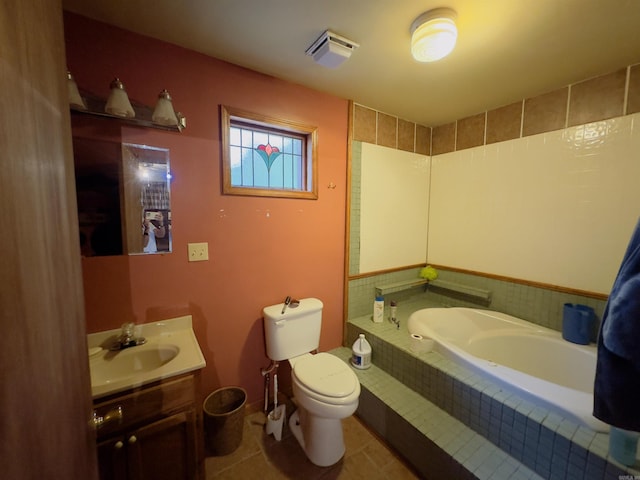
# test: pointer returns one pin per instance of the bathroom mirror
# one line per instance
(123, 193)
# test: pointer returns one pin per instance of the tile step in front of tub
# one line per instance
(436, 444)
(552, 446)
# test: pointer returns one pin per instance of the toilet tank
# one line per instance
(294, 332)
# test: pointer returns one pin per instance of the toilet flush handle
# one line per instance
(287, 301)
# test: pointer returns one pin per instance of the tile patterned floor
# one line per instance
(260, 456)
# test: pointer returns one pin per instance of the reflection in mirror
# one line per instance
(123, 197)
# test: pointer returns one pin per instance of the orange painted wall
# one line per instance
(261, 249)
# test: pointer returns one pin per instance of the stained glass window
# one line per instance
(267, 157)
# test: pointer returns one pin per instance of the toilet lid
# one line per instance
(326, 375)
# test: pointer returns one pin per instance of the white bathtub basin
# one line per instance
(533, 361)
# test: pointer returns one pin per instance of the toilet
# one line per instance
(325, 387)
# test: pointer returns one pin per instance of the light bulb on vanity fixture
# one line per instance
(433, 35)
(75, 100)
(118, 102)
(164, 114)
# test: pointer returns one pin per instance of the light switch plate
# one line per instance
(198, 252)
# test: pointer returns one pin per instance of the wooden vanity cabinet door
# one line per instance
(165, 449)
(112, 459)
(157, 438)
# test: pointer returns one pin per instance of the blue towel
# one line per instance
(616, 399)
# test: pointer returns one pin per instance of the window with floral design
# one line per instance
(265, 156)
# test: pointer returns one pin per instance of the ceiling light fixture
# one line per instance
(433, 35)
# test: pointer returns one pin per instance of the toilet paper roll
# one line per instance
(420, 344)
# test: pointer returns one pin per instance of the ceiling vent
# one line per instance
(331, 50)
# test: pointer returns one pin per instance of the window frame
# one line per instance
(231, 115)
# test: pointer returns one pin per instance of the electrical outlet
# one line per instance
(198, 252)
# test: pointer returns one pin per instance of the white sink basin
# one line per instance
(131, 361)
(171, 349)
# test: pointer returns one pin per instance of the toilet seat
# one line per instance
(326, 378)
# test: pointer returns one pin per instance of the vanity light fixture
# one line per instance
(75, 100)
(118, 102)
(164, 114)
(433, 35)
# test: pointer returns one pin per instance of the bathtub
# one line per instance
(519, 356)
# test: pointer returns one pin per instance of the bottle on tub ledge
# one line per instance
(361, 353)
(393, 311)
(378, 309)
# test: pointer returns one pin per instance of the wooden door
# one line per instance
(45, 396)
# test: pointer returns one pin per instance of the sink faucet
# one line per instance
(127, 338)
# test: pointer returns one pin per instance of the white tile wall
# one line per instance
(556, 208)
(394, 202)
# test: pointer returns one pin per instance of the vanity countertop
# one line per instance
(171, 349)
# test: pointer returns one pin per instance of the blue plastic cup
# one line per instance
(577, 323)
(623, 445)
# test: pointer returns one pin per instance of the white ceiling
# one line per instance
(507, 49)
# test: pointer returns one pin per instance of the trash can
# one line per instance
(223, 420)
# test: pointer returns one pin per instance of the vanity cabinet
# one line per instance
(158, 436)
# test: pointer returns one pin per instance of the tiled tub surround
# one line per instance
(555, 208)
(519, 431)
(542, 306)
(538, 203)
(404, 177)
(386, 130)
(561, 448)
(600, 98)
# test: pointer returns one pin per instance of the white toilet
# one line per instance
(325, 387)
